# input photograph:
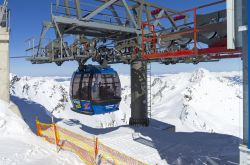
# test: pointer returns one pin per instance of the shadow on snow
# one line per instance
(175, 148)
(180, 148)
(30, 110)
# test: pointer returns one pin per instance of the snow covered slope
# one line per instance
(198, 101)
(204, 106)
(20, 146)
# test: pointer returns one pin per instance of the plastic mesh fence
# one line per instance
(90, 150)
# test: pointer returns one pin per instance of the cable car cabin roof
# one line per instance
(97, 69)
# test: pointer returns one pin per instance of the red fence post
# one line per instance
(56, 137)
(195, 31)
(143, 46)
(38, 127)
(96, 147)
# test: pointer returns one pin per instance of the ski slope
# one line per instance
(205, 107)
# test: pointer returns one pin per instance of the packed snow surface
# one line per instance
(205, 107)
(18, 145)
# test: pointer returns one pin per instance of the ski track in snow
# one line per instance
(204, 106)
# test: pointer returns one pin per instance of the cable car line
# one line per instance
(17, 57)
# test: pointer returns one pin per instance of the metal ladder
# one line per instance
(149, 91)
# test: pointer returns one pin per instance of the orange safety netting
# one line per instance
(90, 150)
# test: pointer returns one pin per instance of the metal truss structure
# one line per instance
(123, 31)
(132, 32)
(4, 14)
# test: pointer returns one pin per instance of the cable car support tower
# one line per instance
(4, 52)
(133, 32)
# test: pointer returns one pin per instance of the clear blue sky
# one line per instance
(26, 20)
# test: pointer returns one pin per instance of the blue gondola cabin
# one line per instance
(95, 90)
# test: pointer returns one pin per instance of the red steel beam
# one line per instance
(219, 53)
(226, 56)
(156, 11)
(217, 50)
(179, 17)
(182, 53)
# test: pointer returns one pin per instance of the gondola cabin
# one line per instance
(95, 90)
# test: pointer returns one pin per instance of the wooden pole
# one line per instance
(38, 127)
(96, 146)
(55, 132)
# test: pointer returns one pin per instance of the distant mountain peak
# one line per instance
(199, 74)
